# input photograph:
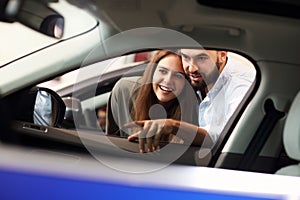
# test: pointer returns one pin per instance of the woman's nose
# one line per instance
(168, 78)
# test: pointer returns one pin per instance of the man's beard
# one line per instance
(207, 80)
(200, 85)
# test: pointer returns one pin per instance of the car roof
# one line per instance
(255, 33)
(286, 8)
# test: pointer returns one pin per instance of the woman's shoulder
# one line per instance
(129, 80)
(126, 83)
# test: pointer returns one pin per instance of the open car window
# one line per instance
(87, 93)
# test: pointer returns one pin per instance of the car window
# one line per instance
(92, 86)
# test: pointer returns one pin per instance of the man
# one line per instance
(222, 83)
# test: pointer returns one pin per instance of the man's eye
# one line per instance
(185, 57)
(202, 58)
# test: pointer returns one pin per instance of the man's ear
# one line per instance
(222, 56)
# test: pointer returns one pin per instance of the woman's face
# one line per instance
(168, 78)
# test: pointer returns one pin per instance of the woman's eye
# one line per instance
(163, 71)
(179, 76)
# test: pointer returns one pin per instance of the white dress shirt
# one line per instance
(224, 97)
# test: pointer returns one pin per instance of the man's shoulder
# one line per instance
(238, 69)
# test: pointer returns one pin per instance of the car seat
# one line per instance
(291, 138)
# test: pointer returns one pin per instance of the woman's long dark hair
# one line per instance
(184, 107)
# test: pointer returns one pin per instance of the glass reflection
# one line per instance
(42, 114)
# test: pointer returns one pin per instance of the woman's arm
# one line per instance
(152, 131)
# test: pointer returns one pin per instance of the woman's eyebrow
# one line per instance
(161, 66)
(173, 71)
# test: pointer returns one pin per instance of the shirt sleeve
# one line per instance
(118, 107)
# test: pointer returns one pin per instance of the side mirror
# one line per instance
(35, 14)
(41, 106)
(49, 109)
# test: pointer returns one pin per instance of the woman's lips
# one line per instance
(166, 89)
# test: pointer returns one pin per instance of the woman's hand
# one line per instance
(151, 131)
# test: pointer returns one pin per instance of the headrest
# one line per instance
(291, 132)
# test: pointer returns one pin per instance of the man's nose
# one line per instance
(192, 68)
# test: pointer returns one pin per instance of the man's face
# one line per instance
(201, 66)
